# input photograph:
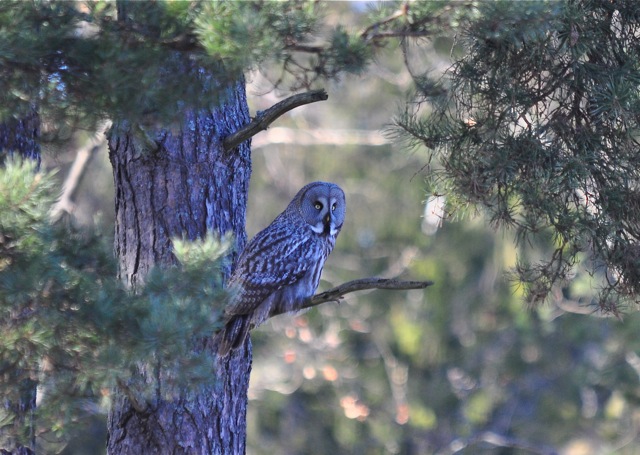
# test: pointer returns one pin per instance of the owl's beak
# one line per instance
(327, 223)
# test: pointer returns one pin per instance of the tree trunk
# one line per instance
(187, 187)
(20, 137)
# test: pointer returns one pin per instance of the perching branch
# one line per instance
(337, 293)
(265, 118)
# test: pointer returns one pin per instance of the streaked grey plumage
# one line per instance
(280, 267)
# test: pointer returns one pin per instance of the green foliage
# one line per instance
(537, 124)
(416, 19)
(71, 328)
(289, 36)
(243, 34)
(25, 194)
(346, 53)
(83, 62)
(433, 371)
(148, 61)
(406, 372)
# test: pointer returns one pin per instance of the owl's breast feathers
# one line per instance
(257, 276)
(276, 272)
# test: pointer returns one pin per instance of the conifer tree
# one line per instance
(170, 77)
(19, 139)
(536, 124)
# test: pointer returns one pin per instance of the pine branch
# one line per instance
(310, 49)
(366, 33)
(399, 34)
(336, 294)
(265, 118)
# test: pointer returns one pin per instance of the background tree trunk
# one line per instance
(187, 187)
(21, 137)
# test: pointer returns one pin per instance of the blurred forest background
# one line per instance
(462, 367)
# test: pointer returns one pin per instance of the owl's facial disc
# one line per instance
(323, 216)
(322, 207)
(317, 228)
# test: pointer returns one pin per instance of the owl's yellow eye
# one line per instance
(318, 206)
(333, 207)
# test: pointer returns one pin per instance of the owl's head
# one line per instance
(322, 206)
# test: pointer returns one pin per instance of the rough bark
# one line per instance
(187, 187)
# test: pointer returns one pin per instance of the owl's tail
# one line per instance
(233, 334)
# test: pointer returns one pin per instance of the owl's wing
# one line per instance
(275, 258)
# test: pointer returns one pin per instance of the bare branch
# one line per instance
(265, 118)
(65, 203)
(337, 293)
(303, 137)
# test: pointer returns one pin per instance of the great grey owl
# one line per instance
(280, 267)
